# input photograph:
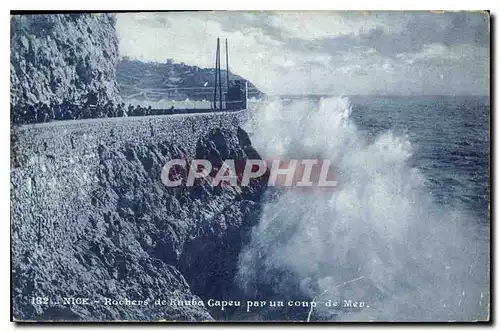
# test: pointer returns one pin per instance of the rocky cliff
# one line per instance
(91, 218)
(63, 58)
(96, 235)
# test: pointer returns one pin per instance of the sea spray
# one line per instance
(379, 239)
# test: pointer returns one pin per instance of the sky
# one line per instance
(324, 52)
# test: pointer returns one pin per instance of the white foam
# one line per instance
(411, 259)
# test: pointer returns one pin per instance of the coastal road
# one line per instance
(121, 119)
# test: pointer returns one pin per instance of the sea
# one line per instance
(406, 232)
(450, 137)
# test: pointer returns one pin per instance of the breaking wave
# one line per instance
(379, 238)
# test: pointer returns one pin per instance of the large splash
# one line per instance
(378, 238)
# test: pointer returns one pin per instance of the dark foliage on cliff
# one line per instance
(154, 81)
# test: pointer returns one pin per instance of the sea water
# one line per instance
(405, 233)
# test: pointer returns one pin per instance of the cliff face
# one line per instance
(91, 218)
(63, 58)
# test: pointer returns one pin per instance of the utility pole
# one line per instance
(216, 77)
(220, 78)
(227, 67)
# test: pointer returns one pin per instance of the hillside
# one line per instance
(153, 81)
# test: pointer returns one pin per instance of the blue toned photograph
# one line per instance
(250, 166)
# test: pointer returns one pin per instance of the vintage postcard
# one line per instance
(292, 166)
